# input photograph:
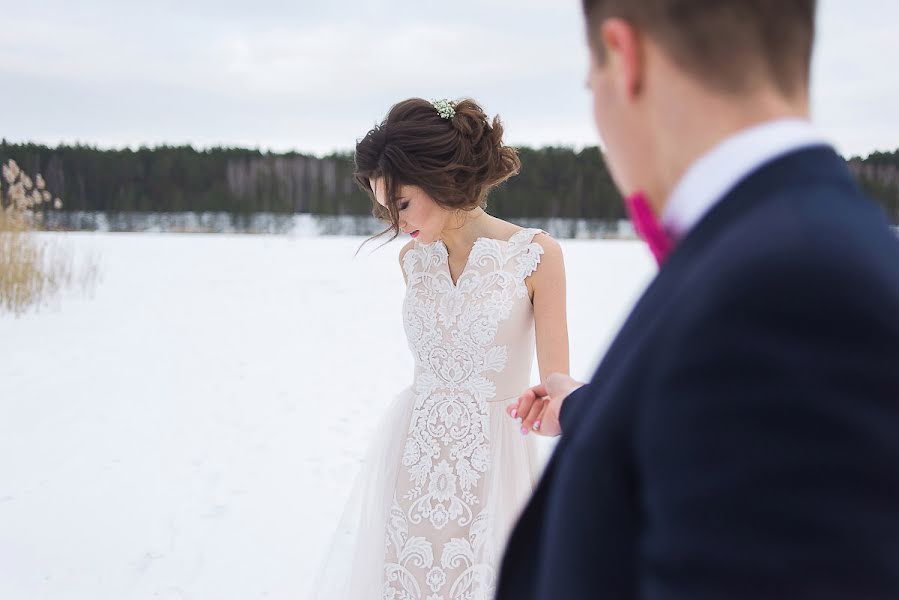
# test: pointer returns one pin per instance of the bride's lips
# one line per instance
(414, 233)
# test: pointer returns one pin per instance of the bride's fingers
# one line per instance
(520, 410)
(533, 416)
(532, 393)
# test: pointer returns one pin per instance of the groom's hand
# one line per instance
(538, 407)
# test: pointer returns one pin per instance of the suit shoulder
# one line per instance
(792, 270)
(803, 238)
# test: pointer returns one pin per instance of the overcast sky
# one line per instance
(314, 76)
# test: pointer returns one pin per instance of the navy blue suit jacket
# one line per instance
(740, 438)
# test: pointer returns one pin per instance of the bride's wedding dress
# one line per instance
(447, 472)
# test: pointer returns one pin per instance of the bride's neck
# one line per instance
(460, 233)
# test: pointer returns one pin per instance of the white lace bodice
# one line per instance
(475, 336)
(473, 343)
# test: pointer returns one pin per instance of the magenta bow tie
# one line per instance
(648, 227)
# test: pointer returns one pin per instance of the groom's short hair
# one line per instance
(727, 44)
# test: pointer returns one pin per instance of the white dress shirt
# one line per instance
(719, 170)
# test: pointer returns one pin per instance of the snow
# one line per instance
(189, 430)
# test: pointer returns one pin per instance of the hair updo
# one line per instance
(456, 160)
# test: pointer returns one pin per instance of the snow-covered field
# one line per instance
(191, 429)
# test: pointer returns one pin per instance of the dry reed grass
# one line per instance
(34, 269)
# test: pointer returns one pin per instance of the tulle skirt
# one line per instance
(352, 567)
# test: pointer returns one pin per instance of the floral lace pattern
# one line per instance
(436, 542)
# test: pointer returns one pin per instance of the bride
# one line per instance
(448, 472)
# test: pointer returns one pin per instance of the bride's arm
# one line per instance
(551, 326)
(550, 319)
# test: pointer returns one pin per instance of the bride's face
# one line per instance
(419, 215)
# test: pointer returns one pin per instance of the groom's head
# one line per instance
(667, 67)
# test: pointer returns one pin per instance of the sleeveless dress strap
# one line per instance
(526, 235)
(409, 260)
(526, 251)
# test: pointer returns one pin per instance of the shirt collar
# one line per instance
(720, 169)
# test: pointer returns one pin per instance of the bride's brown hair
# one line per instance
(456, 160)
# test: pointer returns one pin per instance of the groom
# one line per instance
(740, 438)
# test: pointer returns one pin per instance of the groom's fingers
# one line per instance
(539, 390)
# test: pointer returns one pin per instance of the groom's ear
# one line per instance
(621, 54)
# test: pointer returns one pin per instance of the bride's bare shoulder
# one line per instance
(547, 242)
(552, 250)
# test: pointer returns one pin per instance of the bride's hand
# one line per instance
(538, 407)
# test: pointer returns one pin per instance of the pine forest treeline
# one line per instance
(554, 181)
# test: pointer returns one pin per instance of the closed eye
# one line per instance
(404, 206)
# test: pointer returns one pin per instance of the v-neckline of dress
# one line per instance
(449, 273)
(474, 245)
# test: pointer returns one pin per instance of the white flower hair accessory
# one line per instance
(445, 108)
